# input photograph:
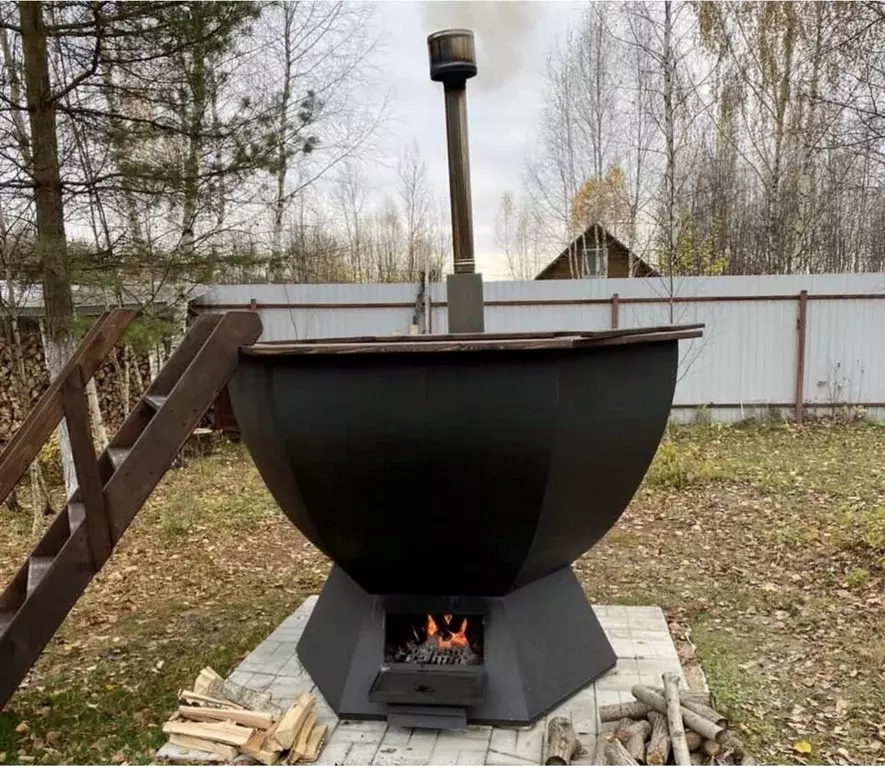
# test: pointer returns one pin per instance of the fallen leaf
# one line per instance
(143, 717)
(53, 738)
(22, 728)
(802, 747)
(118, 758)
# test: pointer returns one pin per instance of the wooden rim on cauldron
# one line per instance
(476, 341)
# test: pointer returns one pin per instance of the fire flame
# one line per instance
(455, 639)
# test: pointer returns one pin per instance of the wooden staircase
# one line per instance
(113, 486)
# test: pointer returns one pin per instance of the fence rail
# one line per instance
(803, 343)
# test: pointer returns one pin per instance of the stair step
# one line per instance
(37, 568)
(76, 514)
(156, 401)
(5, 620)
(118, 455)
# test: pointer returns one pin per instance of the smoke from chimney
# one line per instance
(500, 29)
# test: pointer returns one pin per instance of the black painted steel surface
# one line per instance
(471, 473)
(543, 643)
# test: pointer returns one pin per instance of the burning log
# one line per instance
(659, 746)
(617, 754)
(562, 742)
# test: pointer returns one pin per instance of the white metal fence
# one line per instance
(770, 342)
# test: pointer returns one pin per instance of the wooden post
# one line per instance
(614, 311)
(76, 413)
(801, 328)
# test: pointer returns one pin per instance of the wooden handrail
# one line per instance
(22, 449)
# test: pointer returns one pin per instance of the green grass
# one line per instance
(208, 569)
(764, 544)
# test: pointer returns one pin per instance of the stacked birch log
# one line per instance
(12, 410)
(109, 385)
(666, 725)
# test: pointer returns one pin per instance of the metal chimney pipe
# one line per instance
(453, 62)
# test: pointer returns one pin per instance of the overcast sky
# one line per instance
(513, 39)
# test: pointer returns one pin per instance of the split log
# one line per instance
(609, 726)
(693, 740)
(314, 744)
(210, 683)
(262, 748)
(616, 754)
(304, 736)
(219, 732)
(697, 723)
(698, 758)
(635, 744)
(659, 745)
(195, 699)
(612, 712)
(228, 753)
(562, 742)
(681, 753)
(292, 723)
(247, 718)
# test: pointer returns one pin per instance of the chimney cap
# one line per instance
(452, 55)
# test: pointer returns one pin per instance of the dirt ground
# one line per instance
(764, 545)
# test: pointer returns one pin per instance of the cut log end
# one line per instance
(617, 754)
(562, 742)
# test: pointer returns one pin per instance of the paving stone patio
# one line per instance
(639, 636)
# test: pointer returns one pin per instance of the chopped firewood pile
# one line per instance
(229, 720)
(663, 725)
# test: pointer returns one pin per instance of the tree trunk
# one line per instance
(670, 171)
(95, 417)
(282, 169)
(50, 243)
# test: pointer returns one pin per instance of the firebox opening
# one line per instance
(439, 639)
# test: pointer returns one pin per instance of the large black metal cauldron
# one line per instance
(449, 472)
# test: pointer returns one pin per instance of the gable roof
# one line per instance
(611, 242)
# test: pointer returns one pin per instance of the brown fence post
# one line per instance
(614, 311)
(801, 329)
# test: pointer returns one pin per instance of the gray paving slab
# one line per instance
(638, 634)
